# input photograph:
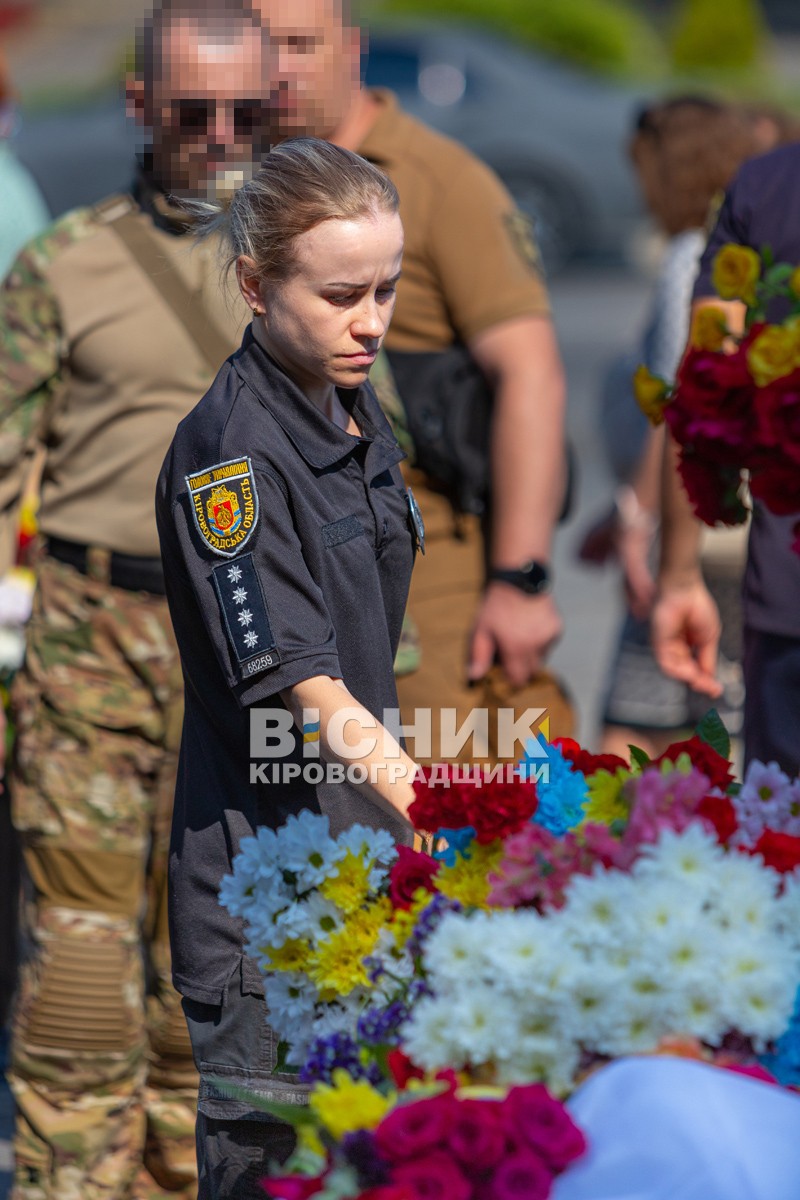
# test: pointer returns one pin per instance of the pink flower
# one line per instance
(523, 1176)
(537, 866)
(433, 1177)
(413, 1130)
(292, 1187)
(544, 1124)
(661, 802)
(478, 1136)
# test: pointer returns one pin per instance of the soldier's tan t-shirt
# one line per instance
(470, 261)
(94, 361)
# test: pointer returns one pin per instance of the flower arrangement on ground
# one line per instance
(735, 406)
(614, 909)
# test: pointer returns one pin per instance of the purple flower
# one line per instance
(329, 1053)
(428, 920)
(361, 1152)
(767, 799)
(381, 1026)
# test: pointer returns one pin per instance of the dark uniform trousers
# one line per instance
(102, 1071)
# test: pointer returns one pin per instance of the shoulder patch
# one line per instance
(246, 618)
(224, 503)
(523, 238)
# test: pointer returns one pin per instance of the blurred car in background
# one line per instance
(556, 137)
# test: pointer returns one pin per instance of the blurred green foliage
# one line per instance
(717, 35)
(608, 36)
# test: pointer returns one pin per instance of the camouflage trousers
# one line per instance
(101, 1068)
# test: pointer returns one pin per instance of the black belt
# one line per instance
(126, 571)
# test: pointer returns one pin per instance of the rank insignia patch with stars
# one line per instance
(246, 618)
(224, 503)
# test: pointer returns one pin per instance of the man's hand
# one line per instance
(516, 630)
(685, 629)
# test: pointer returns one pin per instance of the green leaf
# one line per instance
(767, 257)
(778, 274)
(712, 731)
(280, 1059)
(640, 757)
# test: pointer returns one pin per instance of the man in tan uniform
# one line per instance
(112, 326)
(470, 276)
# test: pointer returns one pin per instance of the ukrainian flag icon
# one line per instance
(311, 739)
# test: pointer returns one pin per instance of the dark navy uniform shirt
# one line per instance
(762, 208)
(287, 551)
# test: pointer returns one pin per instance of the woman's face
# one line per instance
(326, 323)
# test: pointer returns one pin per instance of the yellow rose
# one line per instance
(709, 328)
(774, 353)
(651, 394)
(794, 281)
(735, 272)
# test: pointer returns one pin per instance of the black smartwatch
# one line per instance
(533, 578)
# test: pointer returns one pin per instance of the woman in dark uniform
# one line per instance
(287, 541)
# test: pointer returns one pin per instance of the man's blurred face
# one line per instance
(207, 110)
(313, 63)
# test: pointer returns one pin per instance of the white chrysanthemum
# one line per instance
(314, 917)
(634, 1028)
(744, 894)
(398, 967)
(542, 1059)
(760, 1005)
(428, 1035)
(484, 1024)
(696, 1009)
(519, 945)
(663, 904)
(307, 850)
(787, 913)
(237, 893)
(599, 911)
(375, 845)
(455, 951)
(290, 1000)
(684, 858)
(591, 997)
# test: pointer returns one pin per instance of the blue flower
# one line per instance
(561, 789)
(784, 1063)
(458, 843)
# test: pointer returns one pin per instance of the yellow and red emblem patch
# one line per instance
(224, 505)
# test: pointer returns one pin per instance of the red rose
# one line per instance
(780, 851)
(719, 812)
(411, 870)
(523, 1176)
(544, 1124)
(712, 490)
(293, 1187)
(413, 1130)
(581, 760)
(388, 1191)
(478, 1136)
(434, 1177)
(777, 412)
(402, 1069)
(715, 768)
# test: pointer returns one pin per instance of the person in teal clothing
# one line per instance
(23, 212)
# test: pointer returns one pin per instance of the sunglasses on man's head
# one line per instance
(198, 116)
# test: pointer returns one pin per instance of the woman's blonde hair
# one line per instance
(301, 182)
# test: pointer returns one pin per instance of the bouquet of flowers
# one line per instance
(607, 909)
(735, 406)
